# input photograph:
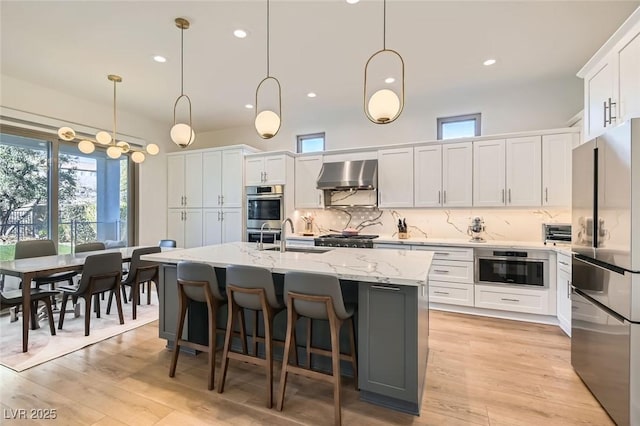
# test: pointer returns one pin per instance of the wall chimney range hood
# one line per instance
(346, 175)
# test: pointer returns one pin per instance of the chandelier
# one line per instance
(182, 134)
(115, 148)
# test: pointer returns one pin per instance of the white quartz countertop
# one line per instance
(400, 267)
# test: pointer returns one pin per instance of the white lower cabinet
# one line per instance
(563, 292)
(508, 298)
(451, 271)
(222, 226)
(451, 293)
(185, 227)
(451, 275)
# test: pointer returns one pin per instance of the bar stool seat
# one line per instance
(197, 282)
(250, 287)
(319, 297)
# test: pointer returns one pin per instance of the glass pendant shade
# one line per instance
(267, 124)
(103, 138)
(114, 152)
(66, 133)
(182, 135)
(384, 106)
(152, 149)
(86, 147)
(137, 157)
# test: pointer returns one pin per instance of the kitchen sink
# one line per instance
(301, 249)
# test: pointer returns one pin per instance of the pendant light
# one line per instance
(182, 134)
(384, 106)
(267, 122)
(115, 148)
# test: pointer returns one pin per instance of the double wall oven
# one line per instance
(265, 206)
(512, 267)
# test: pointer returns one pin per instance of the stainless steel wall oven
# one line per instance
(513, 267)
(265, 205)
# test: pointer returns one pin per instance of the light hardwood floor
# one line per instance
(481, 371)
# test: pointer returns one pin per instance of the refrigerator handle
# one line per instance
(595, 198)
(599, 264)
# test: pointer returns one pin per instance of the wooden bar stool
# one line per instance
(249, 287)
(317, 296)
(198, 282)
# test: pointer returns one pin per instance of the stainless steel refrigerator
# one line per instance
(605, 342)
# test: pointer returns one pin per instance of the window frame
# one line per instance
(301, 138)
(477, 117)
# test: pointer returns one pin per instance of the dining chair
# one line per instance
(13, 298)
(26, 249)
(167, 243)
(101, 273)
(91, 246)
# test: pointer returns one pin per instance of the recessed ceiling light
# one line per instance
(248, 106)
(160, 59)
(389, 80)
(352, 1)
(311, 95)
(240, 33)
(489, 62)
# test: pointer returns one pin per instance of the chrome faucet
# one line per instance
(260, 245)
(283, 241)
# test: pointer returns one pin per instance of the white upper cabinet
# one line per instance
(222, 183)
(489, 173)
(524, 171)
(395, 178)
(457, 174)
(265, 170)
(612, 80)
(556, 168)
(427, 176)
(184, 180)
(212, 178)
(307, 171)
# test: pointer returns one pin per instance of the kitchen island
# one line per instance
(388, 286)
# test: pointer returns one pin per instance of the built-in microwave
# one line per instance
(265, 205)
(512, 267)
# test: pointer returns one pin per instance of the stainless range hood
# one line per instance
(361, 174)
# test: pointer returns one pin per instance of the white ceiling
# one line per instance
(319, 46)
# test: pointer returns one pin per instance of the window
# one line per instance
(459, 126)
(51, 190)
(311, 143)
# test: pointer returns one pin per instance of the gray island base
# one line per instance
(392, 319)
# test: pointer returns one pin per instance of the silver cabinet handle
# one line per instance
(443, 253)
(185, 200)
(611, 117)
(509, 300)
(379, 287)
(183, 215)
(439, 202)
(604, 110)
(218, 216)
(546, 195)
(222, 199)
(503, 195)
(218, 199)
(319, 199)
(568, 289)
(444, 197)
(509, 195)
(563, 263)
(441, 292)
(221, 215)
(441, 271)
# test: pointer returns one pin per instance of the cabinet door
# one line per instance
(556, 169)
(212, 179)
(175, 226)
(307, 171)
(275, 170)
(524, 171)
(395, 177)
(598, 90)
(563, 294)
(457, 174)
(211, 226)
(232, 188)
(175, 181)
(489, 173)
(193, 180)
(629, 80)
(427, 173)
(193, 228)
(254, 171)
(231, 225)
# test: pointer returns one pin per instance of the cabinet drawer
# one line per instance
(510, 299)
(451, 271)
(448, 253)
(564, 263)
(392, 246)
(450, 293)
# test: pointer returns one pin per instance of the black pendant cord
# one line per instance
(182, 61)
(384, 25)
(268, 38)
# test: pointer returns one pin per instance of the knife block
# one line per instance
(403, 235)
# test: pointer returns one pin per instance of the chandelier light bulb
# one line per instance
(124, 146)
(182, 135)
(137, 157)
(114, 152)
(86, 147)
(384, 106)
(267, 124)
(103, 137)
(152, 149)
(66, 133)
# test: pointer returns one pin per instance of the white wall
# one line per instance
(541, 104)
(41, 101)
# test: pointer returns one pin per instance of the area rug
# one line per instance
(44, 347)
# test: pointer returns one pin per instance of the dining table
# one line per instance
(34, 267)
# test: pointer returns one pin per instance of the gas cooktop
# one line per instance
(339, 240)
(353, 237)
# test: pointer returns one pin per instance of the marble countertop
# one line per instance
(400, 267)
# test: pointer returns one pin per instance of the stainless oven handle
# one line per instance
(521, 259)
(264, 197)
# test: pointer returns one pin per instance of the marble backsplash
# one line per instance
(507, 224)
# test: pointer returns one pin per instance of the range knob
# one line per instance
(354, 246)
